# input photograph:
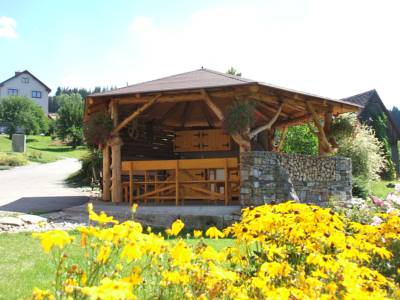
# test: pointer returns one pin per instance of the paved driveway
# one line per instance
(38, 188)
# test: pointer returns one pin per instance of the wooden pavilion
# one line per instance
(168, 142)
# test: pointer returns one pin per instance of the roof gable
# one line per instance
(29, 73)
(363, 99)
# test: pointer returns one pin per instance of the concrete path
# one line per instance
(39, 188)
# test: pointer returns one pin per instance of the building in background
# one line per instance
(375, 114)
(26, 84)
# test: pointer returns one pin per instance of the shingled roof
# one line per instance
(362, 98)
(198, 79)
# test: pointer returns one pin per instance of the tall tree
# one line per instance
(395, 112)
(69, 123)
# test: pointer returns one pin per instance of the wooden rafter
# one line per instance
(134, 115)
(214, 108)
(185, 113)
(168, 113)
(207, 115)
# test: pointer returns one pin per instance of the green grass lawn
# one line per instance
(43, 149)
(24, 265)
(380, 189)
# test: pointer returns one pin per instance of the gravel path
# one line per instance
(38, 188)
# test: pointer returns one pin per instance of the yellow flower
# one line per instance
(176, 227)
(103, 254)
(39, 294)
(54, 238)
(214, 233)
(197, 233)
(181, 253)
(110, 290)
(134, 208)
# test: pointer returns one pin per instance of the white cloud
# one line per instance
(8, 27)
(332, 48)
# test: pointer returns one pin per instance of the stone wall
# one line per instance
(276, 177)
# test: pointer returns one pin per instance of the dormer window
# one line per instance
(36, 94)
(25, 80)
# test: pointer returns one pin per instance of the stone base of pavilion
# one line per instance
(158, 216)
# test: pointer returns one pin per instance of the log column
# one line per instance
(106, 173)
(116, 190)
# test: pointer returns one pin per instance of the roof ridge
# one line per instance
(229, 75)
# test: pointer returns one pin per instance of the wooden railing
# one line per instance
(209, 179)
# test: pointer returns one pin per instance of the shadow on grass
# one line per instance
(32, 140)
(57, 150)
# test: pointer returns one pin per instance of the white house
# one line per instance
(26, 84)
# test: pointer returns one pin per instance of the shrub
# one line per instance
(363, 147)
(300, 139)
(285, 251)
(12, 159)
(17, 111)
(360, 188)
(90, 172)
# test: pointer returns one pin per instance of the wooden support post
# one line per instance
(131, 183)
(177, 183)
(116, 193)
(282, 139)
(226, 177)
(324, 145)
(106, 173)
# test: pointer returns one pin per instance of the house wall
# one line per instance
(25, 89)
(269, 177)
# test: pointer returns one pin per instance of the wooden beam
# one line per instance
(214, 108)
(325, 146)
(114, 112)
(134, 115)
(106, 173)
(268, 108)
(268, 125)
(293, 122)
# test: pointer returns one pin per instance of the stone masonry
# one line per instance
(269, 177)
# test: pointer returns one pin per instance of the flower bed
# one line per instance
(285, 251)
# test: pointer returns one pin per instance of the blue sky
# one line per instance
(332, 48)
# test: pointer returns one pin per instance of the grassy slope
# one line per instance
(379, 188)
(42, 149)
(24, 265)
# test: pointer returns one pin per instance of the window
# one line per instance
(36, 94)
(12, 92)
(25, 80)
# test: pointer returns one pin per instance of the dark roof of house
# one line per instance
(201, 78)
(362, 99)
(26, 72)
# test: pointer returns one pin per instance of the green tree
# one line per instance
(233, 71)
(17, 111)
(300, 139)
(70, 118)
